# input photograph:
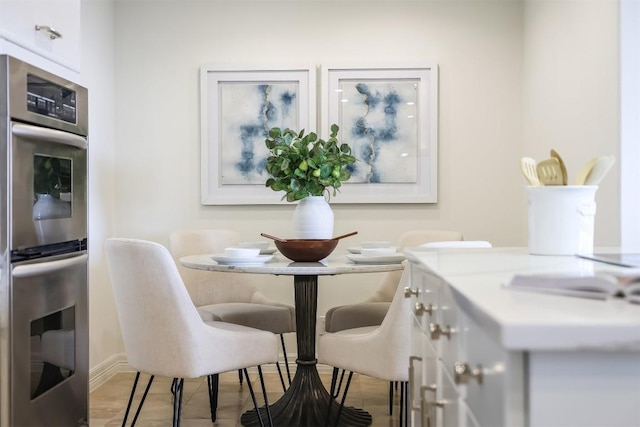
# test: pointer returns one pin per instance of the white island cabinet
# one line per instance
(48, 29)
(487, 356)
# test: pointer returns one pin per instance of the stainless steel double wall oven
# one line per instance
(43, 247)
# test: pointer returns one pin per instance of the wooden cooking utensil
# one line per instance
(600, 169)
(278, 239)
(269, 236)
(585, 170)
(345, 235)
(563, 168)
(549, 172)
(528, 168)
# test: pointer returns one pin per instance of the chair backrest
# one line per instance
(156, 314)
(208, 287)
(387, 287)
(396, 329)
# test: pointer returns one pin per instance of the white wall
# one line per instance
(483, 49)
(630, 125)
(571, 93)
(97, 71)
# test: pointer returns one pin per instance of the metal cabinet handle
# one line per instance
(463, 373)
(49, 135)
(411, 372)
(425, 405)
(408, 291)
(53, 33)
(436, 330)
(48, 267)
(421, 308)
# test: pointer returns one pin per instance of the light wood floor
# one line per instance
(108, 402)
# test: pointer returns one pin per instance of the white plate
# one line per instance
(386, 259)
(356, 250)
(260, 259)
(268, 251)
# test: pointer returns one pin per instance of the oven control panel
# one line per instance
(49, 99)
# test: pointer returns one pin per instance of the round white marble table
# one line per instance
(305, 401)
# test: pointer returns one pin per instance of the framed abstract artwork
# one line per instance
(238, 107)
(389, 117)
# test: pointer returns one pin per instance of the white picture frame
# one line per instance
(389, 117)
(238, 106)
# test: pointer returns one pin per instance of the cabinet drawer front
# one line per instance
(451, 332)
(425, 303)
(447, 407)
(467, 419)
(485, 395)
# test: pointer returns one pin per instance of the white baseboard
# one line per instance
(107, 369)
(118, 363)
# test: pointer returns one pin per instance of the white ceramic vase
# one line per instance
(49, 207)
(51, 218)
(313, 219)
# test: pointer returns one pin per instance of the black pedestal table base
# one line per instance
(305, 403)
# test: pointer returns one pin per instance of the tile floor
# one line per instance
(109, 401)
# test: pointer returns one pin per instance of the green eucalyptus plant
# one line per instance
(303, 165)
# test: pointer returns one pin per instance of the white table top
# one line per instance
(526, 320)
(279, 265)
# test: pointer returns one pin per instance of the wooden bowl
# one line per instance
(306, 250)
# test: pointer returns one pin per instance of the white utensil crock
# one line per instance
(561, 219)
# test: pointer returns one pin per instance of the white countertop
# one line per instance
(520, 320)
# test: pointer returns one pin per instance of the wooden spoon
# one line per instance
(345, 235)
(600, 169)
(549, 172)
(585, 170)
(269, 236)
(528, 168)
(278, 239)
(563, 168)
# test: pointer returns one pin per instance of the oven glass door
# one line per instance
(49, 169)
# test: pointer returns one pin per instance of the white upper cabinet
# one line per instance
(48, 28)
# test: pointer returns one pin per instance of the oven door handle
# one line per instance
(50, 135)
(40, 268)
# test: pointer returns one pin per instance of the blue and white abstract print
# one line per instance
(378, 120)
(247, 112)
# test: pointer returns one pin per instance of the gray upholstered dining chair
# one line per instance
(163, 333)
(372, 310)
(229, 297)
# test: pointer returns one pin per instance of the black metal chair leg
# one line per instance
(212, 385)
(286, 361)
(332, 389)
(406, 403)
(133, 392)
(284, 387)
(240, 376)
(390, 398)
(402, 397)
(339, 387)
(344, 397)
(144, 396)
(177, 401)
(264, 393)
(253, 398)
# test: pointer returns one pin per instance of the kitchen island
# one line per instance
(487, 355)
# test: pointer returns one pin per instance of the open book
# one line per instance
(600, 285)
